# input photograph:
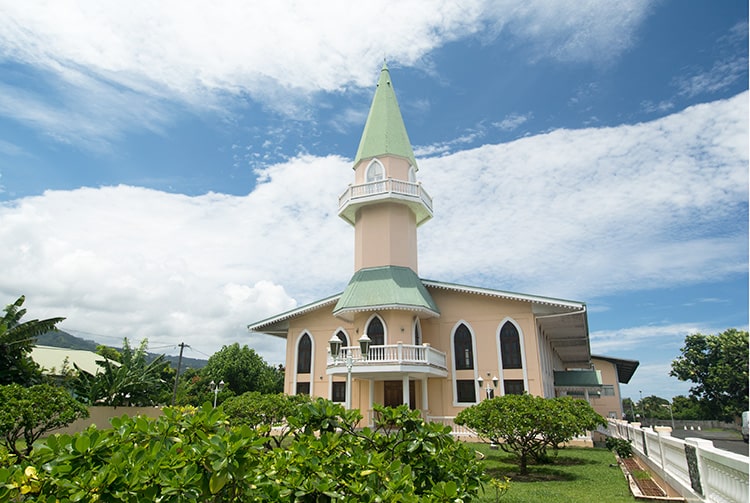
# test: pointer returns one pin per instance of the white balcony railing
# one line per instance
(410, 190)
(388, 355)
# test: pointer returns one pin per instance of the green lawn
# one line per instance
(577, 475)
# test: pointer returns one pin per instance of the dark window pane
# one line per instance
(463, 352)
(342, 337)
(303, 388)
(465, 391)
(513, 386)
(304, 355)
(510, 346)
(376, 332)
(338, 392)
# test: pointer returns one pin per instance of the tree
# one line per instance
(263, 412)
(242, 370)
(628, 408)
(16, 341)
(134, 381)
(718, 366)
(686, 407)
(28, 413)
(109, 353)
(526, 425)
(653, 407)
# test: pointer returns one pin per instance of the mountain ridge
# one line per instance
(62, 339)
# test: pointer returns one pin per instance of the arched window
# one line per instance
(412, 174)
(304, 354)
(342, 337)
(510, 347)
(376, 332)
(417, 333)
(375, 171)
(462, 348)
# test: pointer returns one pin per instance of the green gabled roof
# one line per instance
(389, 287)
(385, 133)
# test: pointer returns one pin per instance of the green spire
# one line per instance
(384, 132)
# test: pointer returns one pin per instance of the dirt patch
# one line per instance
(642, 483)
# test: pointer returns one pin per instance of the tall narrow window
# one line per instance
(510, 347)
(376, 332)
(342, 337)
(375, 171)
(304, 354)
(417, 333)
(462, 348)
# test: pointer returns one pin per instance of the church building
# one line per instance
(392, 337)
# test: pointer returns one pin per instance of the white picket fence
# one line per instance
(694, 467)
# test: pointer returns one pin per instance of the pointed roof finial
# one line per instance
(385, 132)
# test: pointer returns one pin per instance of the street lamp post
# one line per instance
(335, 344)
(489, 390)
(643, 407)
(216, 388)
(669, 406)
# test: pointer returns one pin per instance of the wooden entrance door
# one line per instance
(393, 394)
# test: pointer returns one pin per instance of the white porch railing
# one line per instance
(694, 467)
(388, 186)
(457, 430)
(388, 355)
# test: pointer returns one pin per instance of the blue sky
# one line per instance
(171, 171)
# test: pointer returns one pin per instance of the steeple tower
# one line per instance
(385, 205)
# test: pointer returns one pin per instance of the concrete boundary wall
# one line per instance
(694, 467)
(100, 416)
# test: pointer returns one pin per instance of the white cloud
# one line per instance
(585, 30)
(653, 379)
(580, 213)
(135, 57)
(512, 121)
(621, 341)
(567, 214)
(723, 74)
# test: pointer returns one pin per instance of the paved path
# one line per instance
(727, 440)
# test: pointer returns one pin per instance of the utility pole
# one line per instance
(177, 376)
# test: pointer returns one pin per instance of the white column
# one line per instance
(405, 387)
(425, 404)
(371, 401)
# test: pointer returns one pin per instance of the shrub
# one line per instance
(201, 457)
(622, 447)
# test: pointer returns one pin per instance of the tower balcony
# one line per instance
(410, 193)
(389, 362)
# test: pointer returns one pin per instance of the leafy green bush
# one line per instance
(623, 448)
(200, 457)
